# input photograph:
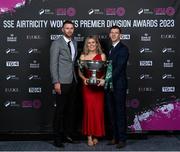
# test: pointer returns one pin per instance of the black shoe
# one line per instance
(121, 144)
(70, 140)
(112, 142)
(58, 144)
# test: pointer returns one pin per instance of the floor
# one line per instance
(152, 143)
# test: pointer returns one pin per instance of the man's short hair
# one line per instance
(68, 22)
(116, 27)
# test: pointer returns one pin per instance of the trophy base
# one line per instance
(93, 82)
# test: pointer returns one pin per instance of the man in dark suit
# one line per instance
(116, 90)
(63, 53)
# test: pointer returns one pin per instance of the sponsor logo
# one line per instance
(79, 38)
(12, 63)
(110, 11)
(11, 90)
(33, 37)
(33, 51)
(96, 11)
(167, 76)
(61, 11)
(103, 37)
(168, 36)
(168, 89)
(125, 36)
(11, 51)
(55, 37)
(145, 63)
(120, 11)
(11, 38)
(145, 76)
(34, 77)
(35, 90)
(168, 50)
(66, 11)
(145, 50)
(71, 11)
(12, 77)
(36, 104)
(146, 11)
(169, 11)
(46, 11)
(145, 89)
(168, 64)
(11, 103)
(146, 38)
(34, 65)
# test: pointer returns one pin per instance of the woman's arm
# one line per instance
(103, 57)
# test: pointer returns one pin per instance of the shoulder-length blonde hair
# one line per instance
(94, 37)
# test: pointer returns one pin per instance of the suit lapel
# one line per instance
(116, 48)
(66, 47)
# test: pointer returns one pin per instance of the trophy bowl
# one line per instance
(94, 67)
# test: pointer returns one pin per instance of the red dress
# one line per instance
(93, 107)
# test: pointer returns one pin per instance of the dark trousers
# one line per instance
(116, 108)
(64, 112)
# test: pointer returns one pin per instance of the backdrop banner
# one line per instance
(150, 30)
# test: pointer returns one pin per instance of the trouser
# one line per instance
(64, 112)
(116, 108)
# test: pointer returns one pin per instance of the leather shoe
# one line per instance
(121, 144)
(58, 144)
(112, 142)
(70, 140)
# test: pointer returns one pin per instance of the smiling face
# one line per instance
(114, 35)
(91, 45)
(68, 30)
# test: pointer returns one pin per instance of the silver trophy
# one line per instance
(94, 67)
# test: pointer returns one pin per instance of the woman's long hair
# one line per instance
(98, 45)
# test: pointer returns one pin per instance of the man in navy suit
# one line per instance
(116, 92)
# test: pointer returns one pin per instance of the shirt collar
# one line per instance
(66, 39)
(116, 43)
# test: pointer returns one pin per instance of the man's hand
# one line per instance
(57, 88)
(101, 83)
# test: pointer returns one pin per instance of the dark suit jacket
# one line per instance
(119, 56)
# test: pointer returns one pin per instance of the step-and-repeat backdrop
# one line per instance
(150, 30)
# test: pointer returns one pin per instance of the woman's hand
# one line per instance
(85, 81)
(101, 82)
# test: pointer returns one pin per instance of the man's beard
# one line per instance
(68, 35)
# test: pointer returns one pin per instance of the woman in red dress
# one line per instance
(93, 95)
